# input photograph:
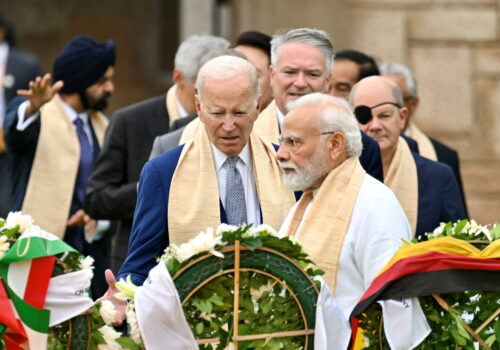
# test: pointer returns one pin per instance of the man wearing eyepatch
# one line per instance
(427, 190)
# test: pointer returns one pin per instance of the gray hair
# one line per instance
(192, 50)
(227, 67)
(395, 90)
(313, 37)
(405, 72)
(334, 118)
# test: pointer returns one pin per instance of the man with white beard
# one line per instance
(349, 222)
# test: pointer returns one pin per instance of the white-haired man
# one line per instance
(225, 174)
(301, 63)
(351, 223)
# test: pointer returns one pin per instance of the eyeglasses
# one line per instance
(364, 113)
(293, 141)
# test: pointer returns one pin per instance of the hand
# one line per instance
(77, 218)
(90, 225)
(120, 305)
(40, 92)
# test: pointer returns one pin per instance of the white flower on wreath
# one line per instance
(127, 289)
(473, 228)
(203, 242)
(110, 336)
(4, 246)
(107, 311)
(135, 333)
(263, 228)
(225, 228)
(87, 263)
(17, 218)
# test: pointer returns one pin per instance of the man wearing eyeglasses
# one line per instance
(350, 222)
(427, 190)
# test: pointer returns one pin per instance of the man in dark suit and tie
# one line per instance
(53, 135)
(225, 174)
(17, 68)
(427, 190)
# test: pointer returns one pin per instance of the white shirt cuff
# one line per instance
(102, 227)
(22, 124)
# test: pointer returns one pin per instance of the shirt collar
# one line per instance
(182, 111)
(71, 113)
(281, 117)
(220, 157)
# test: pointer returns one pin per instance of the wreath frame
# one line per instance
(238, 258)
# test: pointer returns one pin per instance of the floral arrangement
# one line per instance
(264, 304)
(463, 320)
(92, 329)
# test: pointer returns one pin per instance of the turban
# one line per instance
(82, 63)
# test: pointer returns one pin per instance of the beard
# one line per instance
(93, 103)
(307, 176)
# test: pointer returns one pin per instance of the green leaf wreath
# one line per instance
(265, 304)
(470, 309)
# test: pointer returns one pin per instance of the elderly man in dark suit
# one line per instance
(225, 174)
(17, 68)
(427, 190)
(112, 190)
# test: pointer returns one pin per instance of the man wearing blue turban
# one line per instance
(53, 134)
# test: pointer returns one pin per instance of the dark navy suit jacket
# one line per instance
(149, 236)
(370, 158)
(439, 198)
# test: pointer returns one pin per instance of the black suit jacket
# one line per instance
(112, 189)
(449, 156)
(439, 198)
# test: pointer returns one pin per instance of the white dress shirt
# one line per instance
(281, 119)
(245, 167)
(102, 225)
(376, 228)
(22, 123)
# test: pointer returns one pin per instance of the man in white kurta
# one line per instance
(350, 223)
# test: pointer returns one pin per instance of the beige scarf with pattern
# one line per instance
(425, 147)
(402, 179)
(266, 124)
(324, 227)
(55, 167)
(171, 101)
(194, 193)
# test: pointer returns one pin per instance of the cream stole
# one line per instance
(171, 101)
(425, 147)
(190, 131)
(194, 193)
(55, 167)
(402, 179)
(266, 124)
(324, 227)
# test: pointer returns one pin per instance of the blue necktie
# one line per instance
(86, 160)
(236, 208)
